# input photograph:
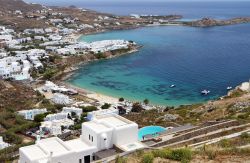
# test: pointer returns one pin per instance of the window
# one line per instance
(89, 137)
(92, 138)
(93, 158)
(80, 160)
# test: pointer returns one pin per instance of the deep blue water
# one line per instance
(191, 58)
(190, 10)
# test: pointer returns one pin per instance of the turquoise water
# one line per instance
(149, 130)
(191, 58)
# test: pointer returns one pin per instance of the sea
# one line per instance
(191, 58)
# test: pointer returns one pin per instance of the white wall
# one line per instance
(98, 140)
(125, 134)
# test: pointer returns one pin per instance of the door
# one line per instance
(87, 159)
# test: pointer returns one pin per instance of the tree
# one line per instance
(39, 117)
(146, 101)
(89, 109)
(121, 99)
(106, 106)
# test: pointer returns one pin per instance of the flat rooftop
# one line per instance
(114, 121)
(78, 145)
(34, 152)
(54, 145)
(98, 127)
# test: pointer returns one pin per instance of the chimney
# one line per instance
(38, 138)
(50, 157)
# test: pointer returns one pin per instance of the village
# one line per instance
(23, 55)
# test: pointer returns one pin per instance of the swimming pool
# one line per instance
(150, 130)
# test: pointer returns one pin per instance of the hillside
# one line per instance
(16, 96)
(12, 5)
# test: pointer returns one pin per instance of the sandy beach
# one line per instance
(92, 95)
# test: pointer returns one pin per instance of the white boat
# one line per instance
(229, 88)
(172, 86)
(205, 92)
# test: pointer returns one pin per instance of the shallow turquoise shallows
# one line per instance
(193, 59)
(154, 130)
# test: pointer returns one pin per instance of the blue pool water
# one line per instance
(149, 130)
(191, 58)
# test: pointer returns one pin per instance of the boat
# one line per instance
(205, 92)
(172, 86)
(229, 88)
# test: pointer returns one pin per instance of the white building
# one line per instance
(59, 98)
(10, 68)
(77, 111)
(57, 116)
(102, 133)
(55, 127)
(3, 144)
(30, 114)
(105, 112)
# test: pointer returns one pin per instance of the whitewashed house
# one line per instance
(105, 112)
(57, 116)
(30, 114)
(62, 99)
(55, 127)
(100, 134)
(6, 38)
(66, 51)
(55, 37)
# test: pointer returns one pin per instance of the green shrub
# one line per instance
(163, 153)
(121, 99)
(119, 159)
(244, 135)
(146, 101)
(147, 158)
(106, 106)
(243, 116)
(100, 55)
(49, 73)
(211, 152)
(182, 154)
(225, 143)
(89, 109)
(39, 117)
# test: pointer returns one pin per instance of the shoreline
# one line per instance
(93, 95)
(97, 97)
(101, 96)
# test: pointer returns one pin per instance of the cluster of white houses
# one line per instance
(21, 53)
(53, 123)
(101, 133)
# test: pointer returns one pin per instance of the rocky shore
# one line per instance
(209, 22)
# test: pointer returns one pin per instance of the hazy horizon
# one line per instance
(122, 1)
